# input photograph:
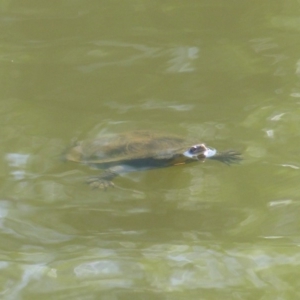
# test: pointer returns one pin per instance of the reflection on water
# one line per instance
(159, 250)
(183, 59)
(16, 161)
(131, 53)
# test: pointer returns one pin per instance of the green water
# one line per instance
(223, 73)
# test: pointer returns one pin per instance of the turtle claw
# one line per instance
(99, 183)
(228, 157)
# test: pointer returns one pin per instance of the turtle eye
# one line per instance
(193, 149)
(197, 149)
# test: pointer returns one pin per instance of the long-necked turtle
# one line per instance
(140, 150)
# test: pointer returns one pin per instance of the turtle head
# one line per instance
(199, 152)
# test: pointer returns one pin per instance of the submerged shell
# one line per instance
(127, 146)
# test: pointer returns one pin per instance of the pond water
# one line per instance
(222, 73)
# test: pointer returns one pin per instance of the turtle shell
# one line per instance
(125, 147)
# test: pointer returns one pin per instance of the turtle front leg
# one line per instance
(104, 180)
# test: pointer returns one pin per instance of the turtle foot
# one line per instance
(99, 183)
(228, 157)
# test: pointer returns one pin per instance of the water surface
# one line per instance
(226, 74)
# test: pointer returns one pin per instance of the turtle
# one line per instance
(140, 150)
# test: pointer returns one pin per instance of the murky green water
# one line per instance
(223, 73)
